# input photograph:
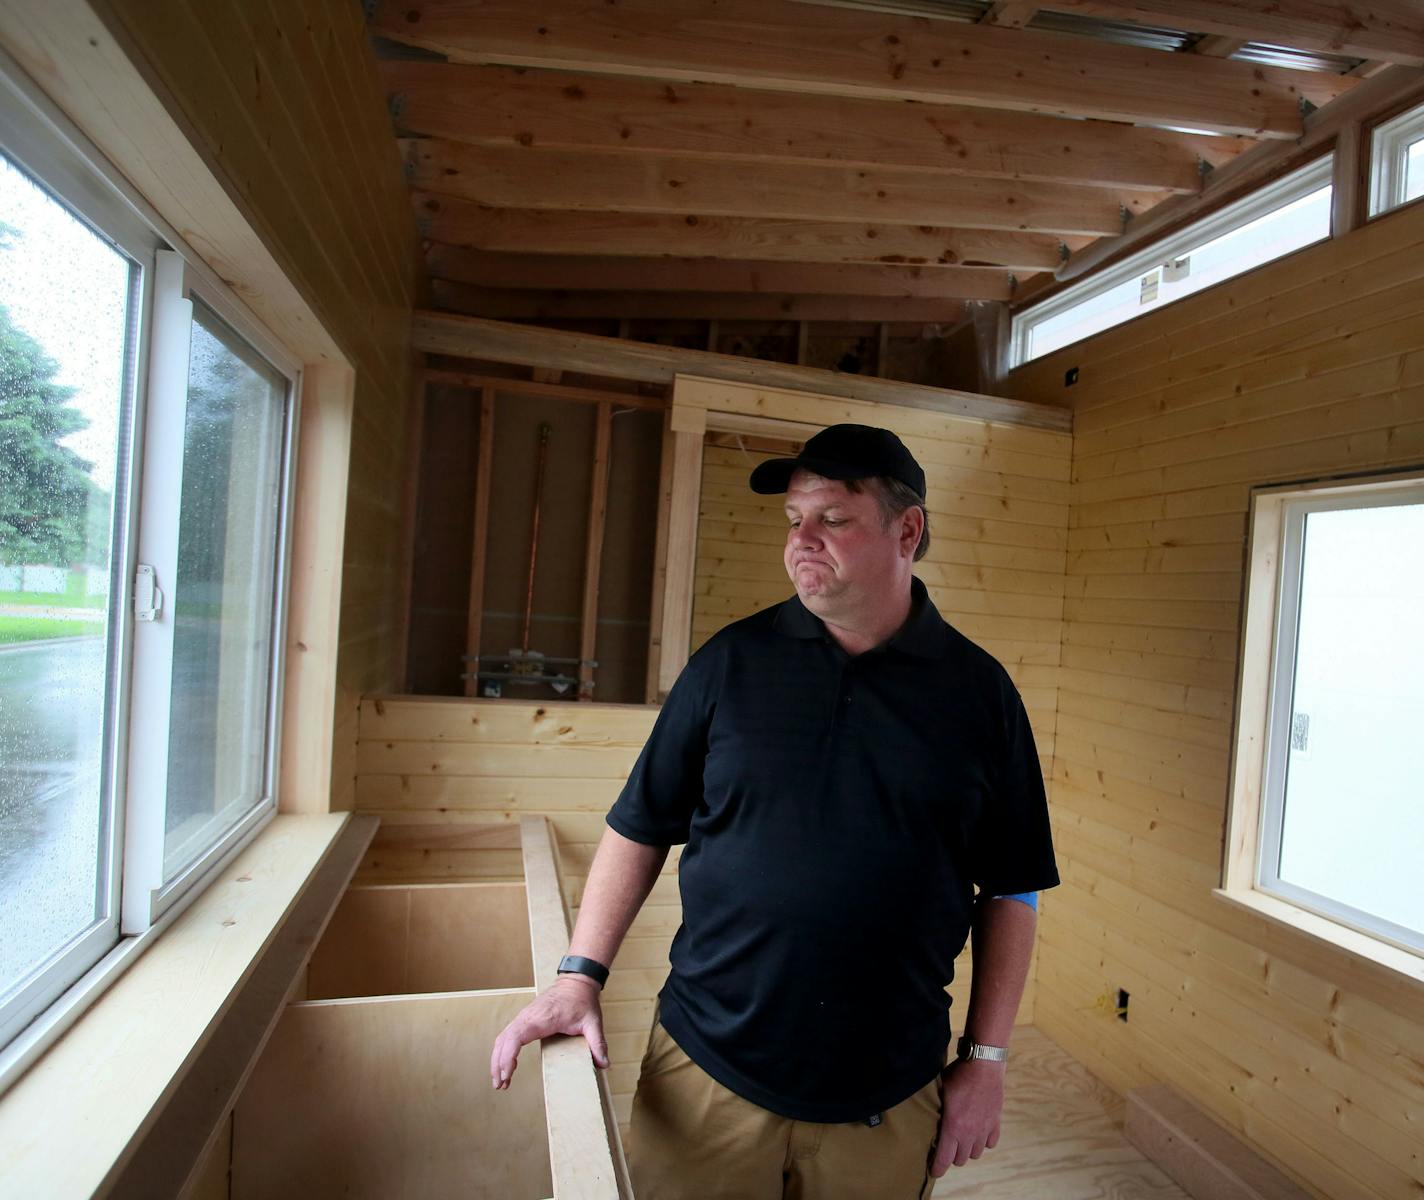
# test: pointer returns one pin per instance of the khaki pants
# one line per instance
(690, 1138)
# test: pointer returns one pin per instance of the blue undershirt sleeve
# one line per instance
(1029, 898)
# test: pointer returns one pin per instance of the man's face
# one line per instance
(837, 551)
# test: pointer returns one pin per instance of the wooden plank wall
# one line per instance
(1311, 366)
(283, 102)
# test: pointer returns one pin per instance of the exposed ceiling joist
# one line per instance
(591, 273)
(567, 180)
(1391, 30)
(498, 341)
(503, 106)
(654, 235)
(507, 304)
(763, 44)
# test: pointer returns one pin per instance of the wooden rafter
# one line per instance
(1390, 30)
(506, 304)
(569, 180)
(654, 235)
(592, 273)
(501, 106)
(763, 44)
(498, 341)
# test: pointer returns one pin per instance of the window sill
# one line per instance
(1403, 965)
(71, 1121)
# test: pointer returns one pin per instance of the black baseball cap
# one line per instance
(844, 452)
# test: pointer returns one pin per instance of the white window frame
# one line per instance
(1270, 623)
(1389, 150)
(39, 138)
(1286, 190)
(146, 894)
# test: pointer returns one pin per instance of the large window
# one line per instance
(1290, 213)
(1333, 693)
(145, 445)
(1397, 161)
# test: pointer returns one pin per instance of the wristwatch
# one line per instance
(968, 1048)
(574, 964)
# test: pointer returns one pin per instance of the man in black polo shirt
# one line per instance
(844, 769)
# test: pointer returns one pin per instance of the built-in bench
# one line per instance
(376, 1082)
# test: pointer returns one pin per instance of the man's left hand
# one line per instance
(973, 1099)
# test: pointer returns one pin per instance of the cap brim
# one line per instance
(774, 475)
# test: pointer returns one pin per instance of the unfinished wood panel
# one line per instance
(761, 43)
(381, 1098)
(394, 939)
(1305, 368)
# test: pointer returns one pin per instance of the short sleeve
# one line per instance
(1014, 843)
(665, 786)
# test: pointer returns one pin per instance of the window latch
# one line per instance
(148, 598)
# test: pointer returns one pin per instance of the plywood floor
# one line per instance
(1061, 1138)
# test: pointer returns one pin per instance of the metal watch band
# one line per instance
(574, 964)
(968, 1048)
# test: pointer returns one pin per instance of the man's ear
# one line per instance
(912, 527)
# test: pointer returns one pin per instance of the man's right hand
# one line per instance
(568, 1005)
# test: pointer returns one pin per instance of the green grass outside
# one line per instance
(35, 629)
(75, 595)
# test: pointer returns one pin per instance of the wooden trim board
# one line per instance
(585, 1151)
(1208, 1160)
(498, 341)
(314, 596)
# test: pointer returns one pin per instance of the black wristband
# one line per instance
(574, 964)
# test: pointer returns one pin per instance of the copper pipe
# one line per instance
(544, 431)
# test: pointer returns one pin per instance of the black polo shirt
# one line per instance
(838, 812)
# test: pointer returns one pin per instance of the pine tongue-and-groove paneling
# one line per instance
(1311, 366)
